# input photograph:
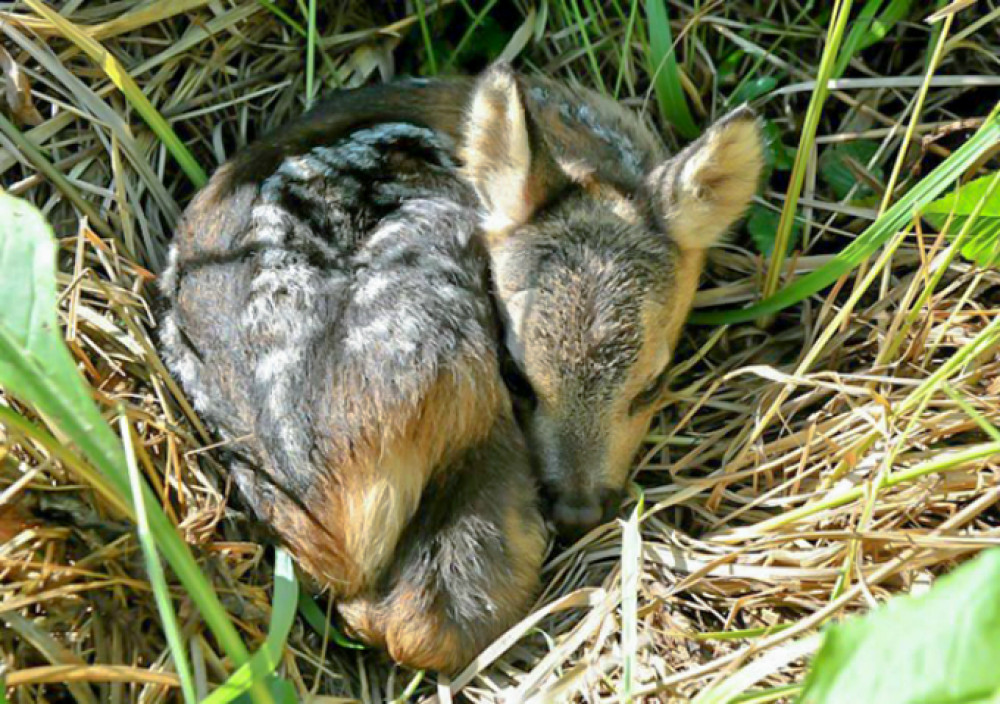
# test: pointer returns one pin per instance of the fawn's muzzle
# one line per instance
(575, 514)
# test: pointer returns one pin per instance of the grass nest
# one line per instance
(808, 467)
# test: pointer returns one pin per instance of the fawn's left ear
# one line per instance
(705, 188)
(504, 154)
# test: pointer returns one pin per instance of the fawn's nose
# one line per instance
(575, 514)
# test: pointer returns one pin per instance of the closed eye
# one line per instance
(652, 393)
(517, 383)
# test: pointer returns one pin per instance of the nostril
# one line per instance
(575, 516)
(611, 502)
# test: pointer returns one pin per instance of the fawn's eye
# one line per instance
(652, 393)
(515, 380)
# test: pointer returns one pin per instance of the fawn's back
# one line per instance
(331, 316)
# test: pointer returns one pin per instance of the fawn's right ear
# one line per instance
(703, 190)
(505, 156)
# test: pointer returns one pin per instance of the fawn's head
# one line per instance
(596, 242)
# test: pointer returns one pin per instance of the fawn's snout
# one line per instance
(576, 513)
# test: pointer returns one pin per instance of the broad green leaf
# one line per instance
(834, 168)
(941, 647)
(762, 224)
(265, 661)
(36, 368)
(28, 292)
(982, 244)
(895, 218)
(664, 72)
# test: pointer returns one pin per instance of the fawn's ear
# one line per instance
(703, 190)
(504, 154)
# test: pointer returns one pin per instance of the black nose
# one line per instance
(611, 503)
(576, 514)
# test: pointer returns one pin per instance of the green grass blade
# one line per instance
(896, 217)
(842, 10)
(315, 617)
(284, 17)
(120, 77)
(36, 367)
(857, 35)
(265, 660)
(425, 32)
(595, 65)
(34, 156)
(626, 47)
(942, 462)
(631, 571)
(157, 580)
(311, 53)
(664, 71)
(468, 34)
(80, 469)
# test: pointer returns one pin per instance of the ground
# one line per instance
(811, 463)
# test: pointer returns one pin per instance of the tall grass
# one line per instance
(794, 456)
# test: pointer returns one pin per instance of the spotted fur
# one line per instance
(341, 337)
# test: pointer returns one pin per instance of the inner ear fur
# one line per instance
(705, 188)
(504, 152)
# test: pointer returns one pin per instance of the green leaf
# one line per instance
(777, 155)
(316, 618)
(982, 244)
(265, 661)
(941, 647)
(282, 691)
(664, 70)
(27, 288)
(753, 89)
(837, 173)
(868, 29)
(762, 224)
(36, 367)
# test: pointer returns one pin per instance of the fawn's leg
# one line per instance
(466, 568)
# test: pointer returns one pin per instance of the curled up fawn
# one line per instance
(425, 305)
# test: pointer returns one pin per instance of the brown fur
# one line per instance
(219, 210)
(415, 505)
(378, 495)
(422, 627)
(370, 429)
(596, 265)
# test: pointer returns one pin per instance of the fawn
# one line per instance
(349, 295)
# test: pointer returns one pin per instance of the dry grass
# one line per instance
(803, 472)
